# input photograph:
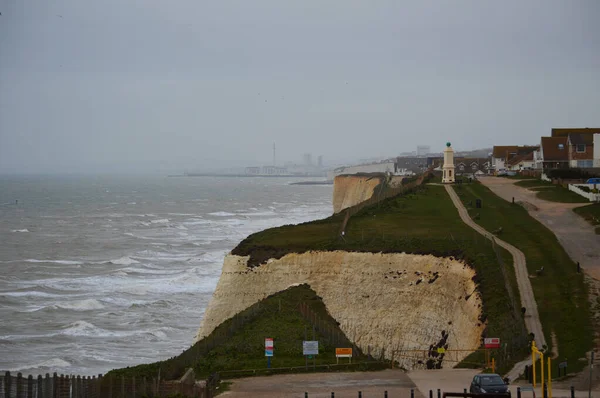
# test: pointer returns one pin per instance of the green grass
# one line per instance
(590, 213)
(239, 342)
(562, 195)
(422, 222)
(560, 292)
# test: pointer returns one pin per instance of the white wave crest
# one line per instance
(160, 221)
(53, 363)
(221, 214)
(123, 261)
(19, 230)
(83, 328)
(64, 262)
(82, 305)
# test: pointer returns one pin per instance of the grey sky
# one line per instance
(162, 85)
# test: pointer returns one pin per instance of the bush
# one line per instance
(570, 174)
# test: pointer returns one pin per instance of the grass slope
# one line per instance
(422, 222)
(591, 214)
(551, 192)
(239, 343)
(560, 292)
(560, 194)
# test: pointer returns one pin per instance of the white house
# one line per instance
(521, 162)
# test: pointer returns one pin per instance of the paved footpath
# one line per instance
(532, 318)
(575, 234)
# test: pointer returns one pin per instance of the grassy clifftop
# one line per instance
(422, 221)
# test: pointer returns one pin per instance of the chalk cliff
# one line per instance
(390, 302)
(350, 190)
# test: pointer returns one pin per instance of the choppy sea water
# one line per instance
(105, 272)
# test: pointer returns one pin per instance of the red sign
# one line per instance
(493, 342)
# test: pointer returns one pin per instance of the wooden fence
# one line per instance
(96, 387)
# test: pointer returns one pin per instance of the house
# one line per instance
(471, 165)
(522, 162)
(581, 150)
(564, 132)
(500, 154)
(554, 153)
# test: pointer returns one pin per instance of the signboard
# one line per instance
(310, 348)
(441, 350)
(492, 342)
(343, 352)
(268, 347)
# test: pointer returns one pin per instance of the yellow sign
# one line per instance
(441, 350)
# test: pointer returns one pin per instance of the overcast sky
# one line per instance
(157, 85)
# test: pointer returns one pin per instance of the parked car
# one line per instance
(489, 383)
(501, 173)
(593, 181)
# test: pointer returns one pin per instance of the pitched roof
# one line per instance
(521, 158)
(551, 149)
(504, 151)
(566, 132)
(579, 139)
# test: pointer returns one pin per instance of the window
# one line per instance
(561, 146)
(585, 164)
(580, 148)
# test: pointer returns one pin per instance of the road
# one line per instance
(395, 382)
(532, 318)
(575, 234)
(371, 384)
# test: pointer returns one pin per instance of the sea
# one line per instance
(103, 272)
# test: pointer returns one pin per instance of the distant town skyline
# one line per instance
(118, 86)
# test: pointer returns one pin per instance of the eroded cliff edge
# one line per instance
(350, 190)
(392, 301)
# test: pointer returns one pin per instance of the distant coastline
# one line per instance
(247, 175)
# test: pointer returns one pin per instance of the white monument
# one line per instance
(448, 168)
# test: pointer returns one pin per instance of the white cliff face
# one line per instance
(390, 302)
(350, 190)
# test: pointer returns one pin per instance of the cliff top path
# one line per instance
(573, 232)
(532, 319)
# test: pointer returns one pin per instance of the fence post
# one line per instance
(572, 392)
(439, 393)
(7, 382)
(385, 394)
(40, 384)
(412, 393)
(122, 386)
(145, 386)
(133, 383)
(430, 393)
(360, 394)
(19, 385)
(518, 392)
(54, 385)
(48, 388)
(30, 386)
